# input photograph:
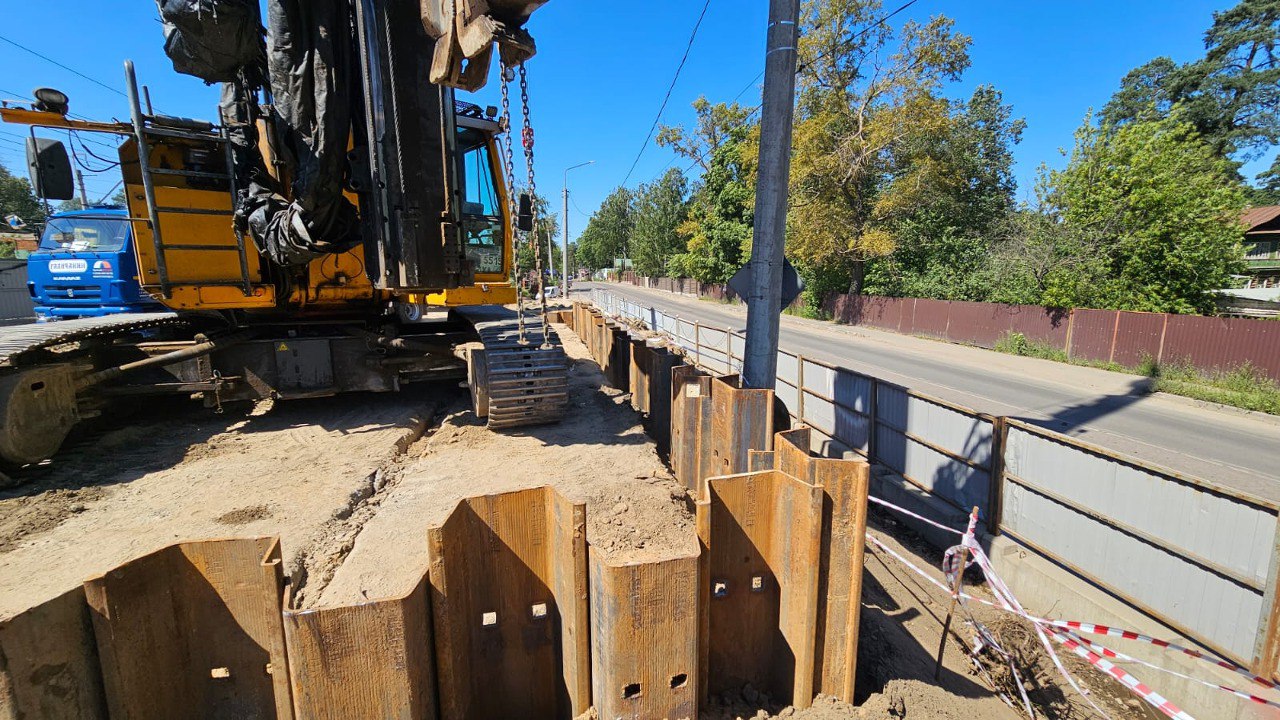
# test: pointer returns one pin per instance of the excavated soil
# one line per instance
(179, 472)
(599, 454)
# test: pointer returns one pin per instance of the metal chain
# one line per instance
(509, 164)
(527, 136)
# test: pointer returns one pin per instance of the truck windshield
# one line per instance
(84, 234)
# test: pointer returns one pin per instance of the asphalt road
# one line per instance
(1112, 410)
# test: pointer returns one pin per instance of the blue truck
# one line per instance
(85, 266)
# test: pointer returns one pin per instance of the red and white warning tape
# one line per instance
(1064, 631)
(1135, 686)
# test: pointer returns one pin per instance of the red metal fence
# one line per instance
(1207, 343)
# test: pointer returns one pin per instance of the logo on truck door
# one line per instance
(102, 269)
(60, 267)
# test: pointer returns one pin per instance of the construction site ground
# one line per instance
(351, 484)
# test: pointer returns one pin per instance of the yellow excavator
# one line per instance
(345, 225)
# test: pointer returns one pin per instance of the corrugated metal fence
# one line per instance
(1199, 558)
(1207, 343)
(15, 301)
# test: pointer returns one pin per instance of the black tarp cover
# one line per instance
(212, 39)
(309, 67)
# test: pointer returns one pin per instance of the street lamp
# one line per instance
(565, 267)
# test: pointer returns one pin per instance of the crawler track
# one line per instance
(527, 382)
(19, 340)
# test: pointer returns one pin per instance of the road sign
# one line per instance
(792, 285)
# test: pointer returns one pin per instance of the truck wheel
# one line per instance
(37, 410)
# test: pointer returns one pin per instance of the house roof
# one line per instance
(1259, 216)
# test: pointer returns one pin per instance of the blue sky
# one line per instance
(601, 73)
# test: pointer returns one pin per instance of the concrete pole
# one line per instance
(764, 303)
(84, 196)
(565, 286)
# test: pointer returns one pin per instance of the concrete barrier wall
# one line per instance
(1197, 558)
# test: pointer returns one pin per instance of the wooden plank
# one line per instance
(845, 485)
(644, 638)
(196, 625)
(371, 660)
(762, 536)
(49, 662)
(508, 577)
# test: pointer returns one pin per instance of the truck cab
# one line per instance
(86, 267)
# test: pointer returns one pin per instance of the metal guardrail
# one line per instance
(1197, 557)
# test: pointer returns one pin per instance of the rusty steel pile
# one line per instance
(516, 614)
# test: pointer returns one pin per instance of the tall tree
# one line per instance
(1231, 96)
(722, 208)
(17, 198)
(714, 127)
(1164, 208)
(608, 231)
(863, 106)
(961, 188)
(660, 208)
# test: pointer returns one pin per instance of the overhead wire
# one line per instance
(68, 68)
(670, 89)
(702, 156)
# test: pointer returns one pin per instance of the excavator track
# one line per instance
(520, 384)
(19, 340)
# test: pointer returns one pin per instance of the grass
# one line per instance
(1243, 387)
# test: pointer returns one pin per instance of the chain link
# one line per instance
(527, 137)
(509, 164)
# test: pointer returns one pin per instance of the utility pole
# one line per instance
(565, 287)
(84, 197)
(764, 303)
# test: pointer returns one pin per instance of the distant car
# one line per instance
(553, 291)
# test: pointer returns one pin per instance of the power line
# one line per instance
(68, 68)
(688, 48)
(853, 37)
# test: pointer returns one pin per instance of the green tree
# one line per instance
(1231, 96)
(608, 231)
(866, 106)
(965, 192)
(660, 208)
(1159, 208)
(17, 198)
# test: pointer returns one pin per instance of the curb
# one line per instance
(1267, 418)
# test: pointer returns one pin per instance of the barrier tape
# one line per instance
(1135, 686)
(1094, 629)
(908, 513)
(1107, 630)
(1106, 652)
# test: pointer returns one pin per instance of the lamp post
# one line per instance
(565, 267)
